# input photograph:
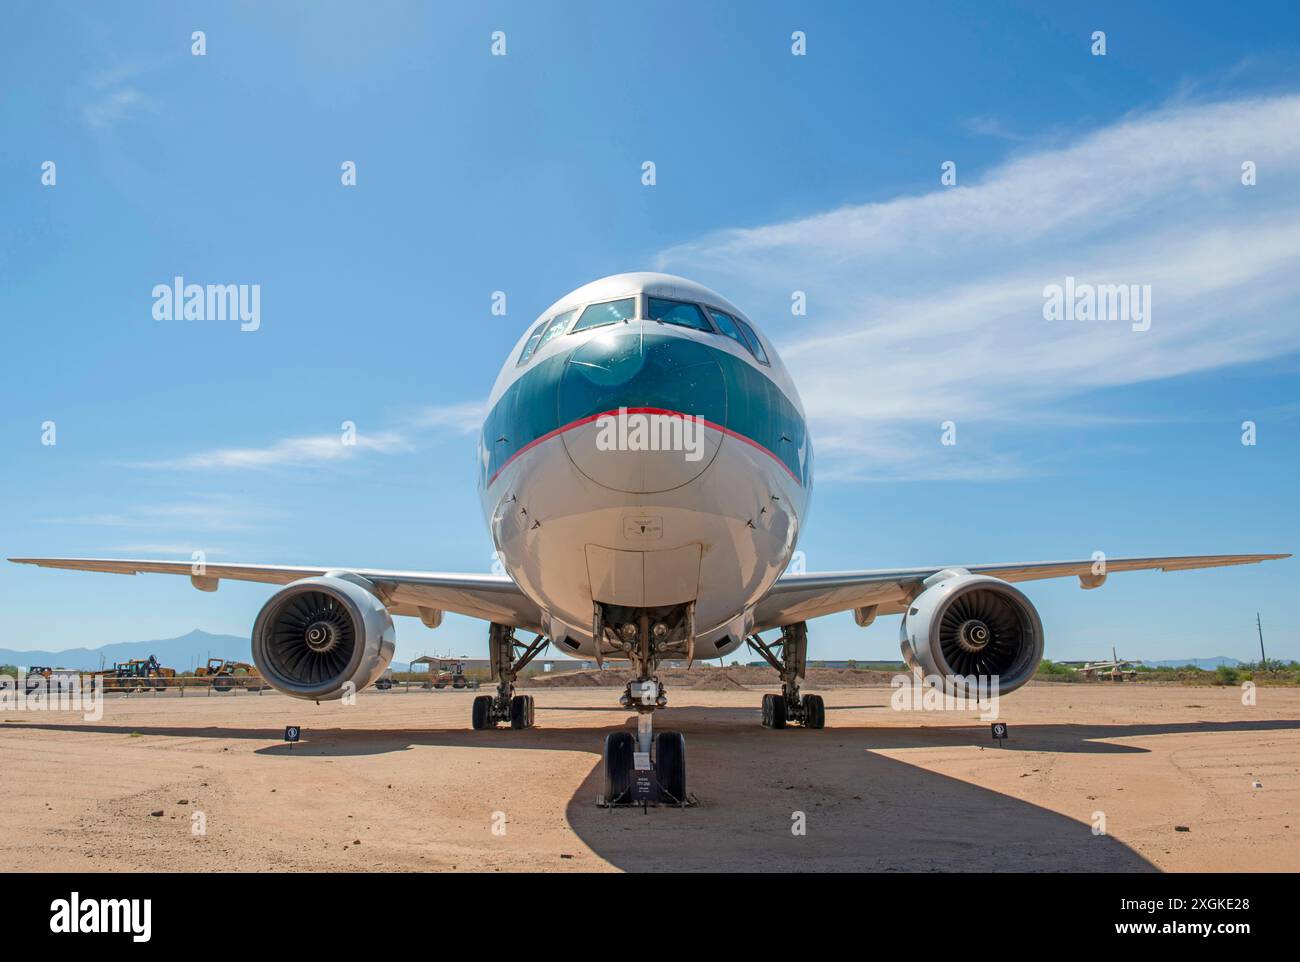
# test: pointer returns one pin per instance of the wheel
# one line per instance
(618, 766)
(670, 767)
(814, 711)
(767, 711)
(778, 711)
(521, 711)
(482, 712)
(383, 685)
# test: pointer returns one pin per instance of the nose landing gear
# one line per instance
(789, 657)
(509, 657)
(645, 768)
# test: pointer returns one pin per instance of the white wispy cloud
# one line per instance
(929, 307)
(110, 107)
(409, 434)
(113, 94)
(460, 419)
(201, 513)
(177, 548)
(287, 452)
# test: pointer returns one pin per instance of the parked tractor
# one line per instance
(451, 673)
(226, 675)
(38, 677)
(138, 674)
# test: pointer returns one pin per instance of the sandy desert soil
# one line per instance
(399, 781)
(707, 677)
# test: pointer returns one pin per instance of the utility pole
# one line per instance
(1263, 662)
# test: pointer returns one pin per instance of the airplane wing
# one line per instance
(869, 593)
(490, 597)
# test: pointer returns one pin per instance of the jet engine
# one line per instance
(316, 635)
(965, 625)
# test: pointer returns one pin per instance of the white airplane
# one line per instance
(644, 469)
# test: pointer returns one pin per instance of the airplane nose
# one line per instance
(646, 411)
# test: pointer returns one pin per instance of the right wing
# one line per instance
(489, 597)
(888, 592)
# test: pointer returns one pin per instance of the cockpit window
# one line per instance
(738, 330)
(755, 344)
(676, 312)
(531, 346)
(609, 312)
(728, 327)
(558, 324)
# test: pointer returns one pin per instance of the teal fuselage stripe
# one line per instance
(649, 371)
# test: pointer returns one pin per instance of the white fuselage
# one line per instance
(598, 485)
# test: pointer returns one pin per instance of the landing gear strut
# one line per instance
(509, 657)
(645, 768)
(789, 657)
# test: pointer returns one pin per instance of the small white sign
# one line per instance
(641, 761)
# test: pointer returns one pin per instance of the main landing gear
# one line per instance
(645, 768)
(509, 657)
(789, 657)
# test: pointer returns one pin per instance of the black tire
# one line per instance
(383, 685)
(814, 711)
(670, 767)
(767, 711)
(521, 712)
(619, 747)
(482, 713)
(778, 711)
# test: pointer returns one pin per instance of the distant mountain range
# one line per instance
(183, 653)
(195, 648)
(1209, 664)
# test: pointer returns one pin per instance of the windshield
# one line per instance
(676, 312)
(608, 312)
(532, 343)
(558, 324)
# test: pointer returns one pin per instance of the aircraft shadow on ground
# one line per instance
(863, 810)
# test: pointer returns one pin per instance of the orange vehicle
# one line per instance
(225, 675)
(445, 672)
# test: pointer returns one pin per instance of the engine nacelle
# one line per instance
(963, 625)
(316, 635)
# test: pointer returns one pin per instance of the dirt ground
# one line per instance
(399, 782)
(707, 677)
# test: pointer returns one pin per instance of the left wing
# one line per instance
(490, 597)
(799, 597)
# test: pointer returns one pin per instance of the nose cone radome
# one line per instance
(644, 411)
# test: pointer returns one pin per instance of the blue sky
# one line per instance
(775, 173)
